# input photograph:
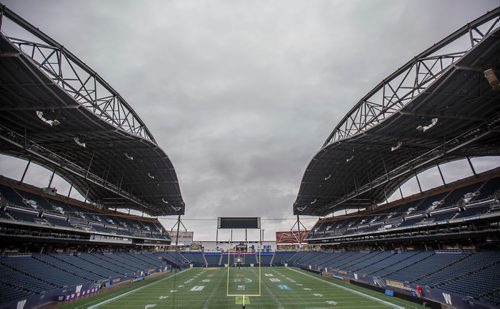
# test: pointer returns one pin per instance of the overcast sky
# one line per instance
(242, 94)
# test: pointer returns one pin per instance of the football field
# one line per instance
(269, 287)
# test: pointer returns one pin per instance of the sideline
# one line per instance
(350, 290)
(134, 290)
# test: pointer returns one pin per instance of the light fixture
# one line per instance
(349, 159)
(328, 177)
(398, 145)
(423, 128)
(176, 209)
(151, 176)
(129, 157)
(52, 123)
(492, 79)
(164, 201)
(301, 209)
(314, 201)
(78, 142)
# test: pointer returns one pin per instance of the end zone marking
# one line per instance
(240, 300)
(351, 290)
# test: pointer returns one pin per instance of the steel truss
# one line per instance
(422, 162)
(49, 157)
(402, 86)
(83, 84)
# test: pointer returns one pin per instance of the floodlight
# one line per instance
(52, 123)
(176, 208)
(398, 145)
(328, 177)
(349, 159)
(151, 175)
(492, 79)
(129, 157)
(78, 142)
(423, 128)
(164, 201)
(301, 209)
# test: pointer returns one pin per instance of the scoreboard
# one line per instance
(238, 223)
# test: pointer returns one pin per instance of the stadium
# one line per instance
(371, 246)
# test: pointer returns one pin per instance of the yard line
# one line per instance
(214, 291)
(350, 290)
(134, 290)
(275, 299)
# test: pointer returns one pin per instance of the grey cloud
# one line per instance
(242, 94)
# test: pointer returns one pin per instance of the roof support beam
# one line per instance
(442, 150)
(50, 157)
(442, 116)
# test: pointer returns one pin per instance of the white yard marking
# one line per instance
(266, 287)
(163, 297)
(149, 306)
(205, 280)
(173, 291)
(331, 302)
(133, 291)
(318, 295)
(307, 289)
(197, 288)
(394, 306)
(274, 280)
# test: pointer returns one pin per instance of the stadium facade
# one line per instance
(440, 107)
(58, 113)
(439, 247)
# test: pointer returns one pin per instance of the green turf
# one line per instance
(208, 288)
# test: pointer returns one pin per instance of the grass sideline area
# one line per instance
(207, 288)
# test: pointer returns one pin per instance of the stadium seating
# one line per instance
(471, 274)
(43, 271)
(195, 258)
(462, 204)
(27, 207)
(281, 257)
(213, 258)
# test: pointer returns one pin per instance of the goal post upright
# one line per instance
(241, 223)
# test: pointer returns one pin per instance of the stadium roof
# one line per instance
(58, 112)
(443, 105)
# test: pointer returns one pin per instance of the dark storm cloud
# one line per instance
(242, 94)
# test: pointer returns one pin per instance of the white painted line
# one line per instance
(133, 291)
(350, 290)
